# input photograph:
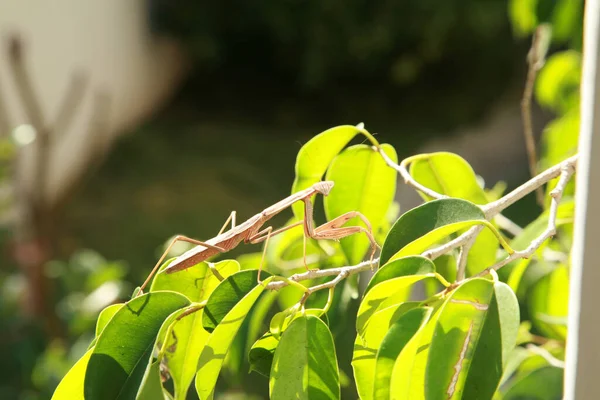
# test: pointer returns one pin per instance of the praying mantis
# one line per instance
(250, 232)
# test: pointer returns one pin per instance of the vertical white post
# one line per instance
(582, 374)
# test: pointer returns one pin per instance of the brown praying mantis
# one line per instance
(250, 232)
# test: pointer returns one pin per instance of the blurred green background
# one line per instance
(260, 79)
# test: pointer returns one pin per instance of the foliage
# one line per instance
(458, 341)
(424, 329)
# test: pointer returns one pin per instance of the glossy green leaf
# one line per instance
(557, 86)
(228, 294)
(363, 183)
(123, 349)
(462, 355)
(549, 297)
(261, 354)
(411, 265)
(305, 364)
(448, 174)
(385, 294)
(508, 315)
(397, 336)
(105, 316)
(315, 156)
(451, 175)
(217, 345)
(71, 386)
(151, 387)
(196, 284)
(565, 16)
(545, 383)
(560, 139)
(423, 226)
(367, 344)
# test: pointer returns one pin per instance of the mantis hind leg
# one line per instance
(178, 238)
(263, 235)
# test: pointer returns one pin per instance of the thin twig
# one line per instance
(567, 170)
(434, 253)
(535, 60)
(408, 179)
(507, 225)
(462, 259)
(540, 351)
(493, 208)
(319, 273)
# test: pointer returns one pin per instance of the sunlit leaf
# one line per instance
(123, 349)
(387, 293)
(363, 183)
(461, 357)
(71, 386)
(215, 350)
(151, 387)
(315, 156)
(105, 317)
(261, 354)
(557, 86)
(545, 383)
(423, 226)
(305, 364)
(228, 294)
(549, 297)
(448, 174)
(188, 337)
(368, 341)
(410, 265)
(451, 175)
(397, 336)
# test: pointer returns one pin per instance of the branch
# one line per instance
(493, 208)
(408, 179)
(341, 273)
(567, 170)
(462, 258)
(535, 59)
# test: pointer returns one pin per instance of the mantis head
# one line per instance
(323, 187)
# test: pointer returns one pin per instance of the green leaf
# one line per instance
(71, 386)
(316, 155)
(549, 297)
(213, 354)
(398, 335)
(105, 316)
(305, 363)
(508, 314)
(261, 354)
(545, 383)
(196, 284)
(461, 355)
(228, 294)
(363, 183)
(367, 344)
(560, 139)
(385, 294)
(124, 347)
(557, 86)
(451, 175)
(151, 388)
(423, 226)
(448, 174)
(411, 265)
